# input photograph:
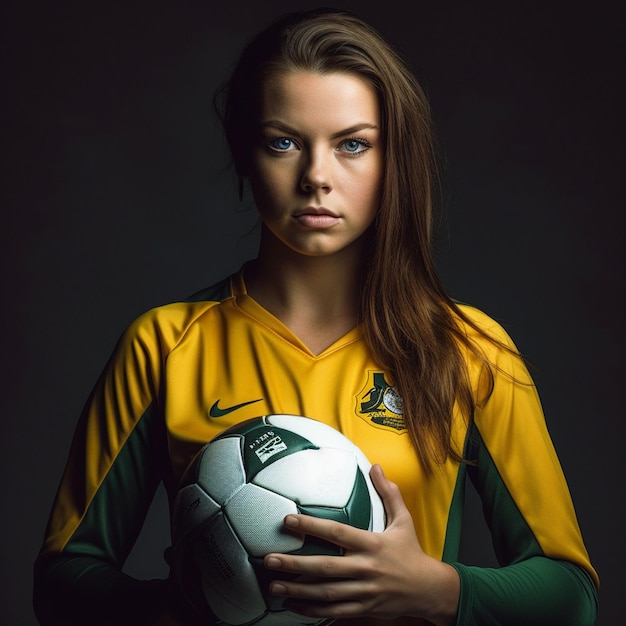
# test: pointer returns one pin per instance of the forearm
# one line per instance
(539, 591)
(444, 596)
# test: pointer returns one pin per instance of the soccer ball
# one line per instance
(229, 511)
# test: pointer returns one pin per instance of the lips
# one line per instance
(314, 211)
(316, 217)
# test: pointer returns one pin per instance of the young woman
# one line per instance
(342, 318)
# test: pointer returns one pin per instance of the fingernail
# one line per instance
(291, 521)
(272, 561)
(278, 589)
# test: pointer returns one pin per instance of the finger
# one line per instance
(312, 566)
(343, 535)
(395, 509)
(327, 592)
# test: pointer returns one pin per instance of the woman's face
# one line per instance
(317, 161)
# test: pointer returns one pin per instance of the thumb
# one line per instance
(395, 509)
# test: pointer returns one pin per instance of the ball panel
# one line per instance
(324, 477)
(359, 506)
(228, 581)
(221, 472)
(192, 507)
(378, 518)
(188, 579)
(257, 517)
(267, 444)
(356, 512)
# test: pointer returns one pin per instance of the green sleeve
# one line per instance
(84, 583)
(118, 457)
(531, 588)
(538, 591)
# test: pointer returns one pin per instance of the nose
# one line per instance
(317, 173)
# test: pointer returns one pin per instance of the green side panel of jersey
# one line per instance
(513, 539)
(531, 589)
(454, 527)
(115, 515)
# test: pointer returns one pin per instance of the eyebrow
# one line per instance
(292, 131)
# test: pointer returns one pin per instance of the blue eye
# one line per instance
(281, 143)
(355, 146)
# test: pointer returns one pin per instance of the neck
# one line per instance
(317, 297)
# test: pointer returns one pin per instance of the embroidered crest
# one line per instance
(379, 403)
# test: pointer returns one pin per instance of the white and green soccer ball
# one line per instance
(229, 510)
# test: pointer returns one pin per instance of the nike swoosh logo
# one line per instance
(216, 411)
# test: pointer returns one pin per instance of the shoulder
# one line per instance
(163, 326)
(479, 326)
(490, 344)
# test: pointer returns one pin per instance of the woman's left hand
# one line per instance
(381, 575)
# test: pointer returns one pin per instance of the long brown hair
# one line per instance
(411, 323)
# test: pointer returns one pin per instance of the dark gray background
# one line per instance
(115, 200)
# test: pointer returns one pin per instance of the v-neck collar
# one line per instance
(251, 307)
